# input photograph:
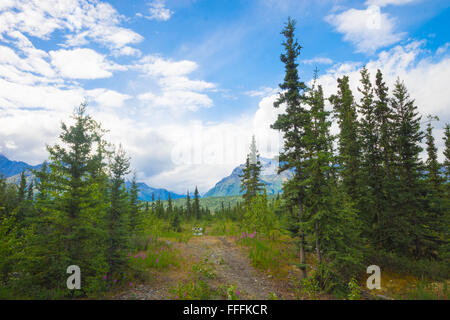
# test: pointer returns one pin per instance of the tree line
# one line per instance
(363, 192)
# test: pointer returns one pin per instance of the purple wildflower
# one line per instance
(105, 277)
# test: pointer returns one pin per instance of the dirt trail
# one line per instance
(231, 266)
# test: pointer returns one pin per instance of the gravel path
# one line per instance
(231, 265)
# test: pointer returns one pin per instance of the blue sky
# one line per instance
(183, 84)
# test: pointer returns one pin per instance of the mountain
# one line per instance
(145, 192)
(231, 185)
(10, 168)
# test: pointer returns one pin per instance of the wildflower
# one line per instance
(184, 294)
(105, 277)
(157, 260)
(176, 297)
(115, 280)
(129, 254)
(268, 270)
(135, 256)
(238, 292)
(131, 284)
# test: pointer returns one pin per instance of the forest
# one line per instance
(372, 194)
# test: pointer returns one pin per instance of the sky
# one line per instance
(184, 84)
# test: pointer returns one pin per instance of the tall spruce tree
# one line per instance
(188, 206)
(371, 163)
(251, 184)
(196, 207)
(446, 139)
(73, 232)
(118, 222)
(408, 231)
(384, 115)
(292, 124)
(135, 212)
(348, 139)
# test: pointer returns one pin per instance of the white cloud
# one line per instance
(82, 64)
(108, 98)
(177, 90)
(184, 83)
(318, 60)
(158, 11)
(443, 49)
(368, 29)
(262, 92)
(426, 78)
(157, 66)
(85, 20)
(177, 100)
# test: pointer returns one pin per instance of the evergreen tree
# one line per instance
(196, 210)
(447, 152)
(348, 140)
(435, 226)
(371, 162)
(409, 219)
(384, 115)
(71, 217)
(250, 178)
(292, 124)
(432, 164)
(188, 206)
(135, 213)
(118, 219)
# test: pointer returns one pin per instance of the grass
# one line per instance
(425, 290)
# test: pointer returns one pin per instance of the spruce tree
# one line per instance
(251, 184)
(371, 162)
(292, 124)
(118, 222)
(348, 139)
(71, 216)
(408, 222)
(446, 139)
(196, 208)
(135, 213)
(188, 206)
(384, 115)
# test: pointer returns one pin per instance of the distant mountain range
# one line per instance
(145, 192)
(9, 168)
(12, 170)
(230, 186)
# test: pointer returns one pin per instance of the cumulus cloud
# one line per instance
(177, 90)
(82, 64)
(158, 11)
(84, 20)
(426, 78)
(367, 29)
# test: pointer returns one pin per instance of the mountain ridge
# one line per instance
(230, 185)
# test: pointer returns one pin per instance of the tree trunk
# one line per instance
(319, 256)
(302, 241)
